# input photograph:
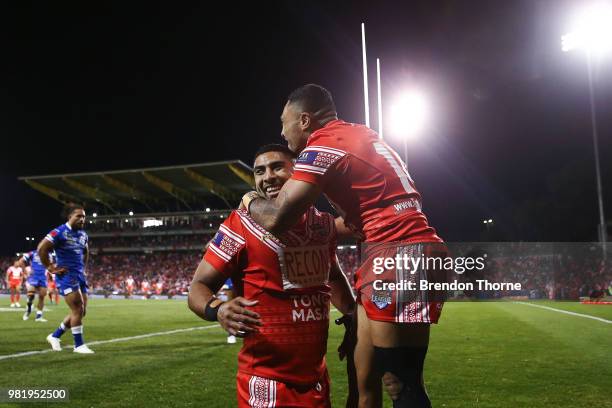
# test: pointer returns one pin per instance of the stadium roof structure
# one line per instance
(173, 188)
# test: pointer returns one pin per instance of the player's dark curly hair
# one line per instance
(313, 98)
(274, 147)
(69, 208)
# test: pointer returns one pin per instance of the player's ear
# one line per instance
(305, 120)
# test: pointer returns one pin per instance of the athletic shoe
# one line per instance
(40, 319)
(83, 349)
(54, 342)
(26, 315)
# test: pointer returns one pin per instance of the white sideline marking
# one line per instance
(117, 340)
(120, 339)
(567, 312)
(22, 309)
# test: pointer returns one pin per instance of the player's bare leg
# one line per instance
(31, 293)
(74, 301)
(42, 294)
(368, 381)
(15, 296)
(77, 302)
(400, 354)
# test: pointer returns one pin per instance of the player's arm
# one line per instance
(44, 249)
(345, 232)
(283, 212)
(86, 258)
(342, 297)
(341, 294)
(233, 315)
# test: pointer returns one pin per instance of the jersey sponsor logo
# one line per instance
(76, 242)
(304, 267)
(382, 298)
(308, 308)
(320, 231)
(405, 205)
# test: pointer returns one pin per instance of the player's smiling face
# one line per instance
(295, 126)
(77, 219)
(271, 171)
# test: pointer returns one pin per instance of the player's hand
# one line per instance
(247, 198)
(54, 269)
(348, 342)
(236, 319)
(346, 350)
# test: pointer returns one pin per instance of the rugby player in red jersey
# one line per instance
(369, 185)
(284, 284)
(52, 288)
(14, 279)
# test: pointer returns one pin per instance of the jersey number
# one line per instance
(397, 165)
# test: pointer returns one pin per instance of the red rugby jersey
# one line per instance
(288, 276)
(366, 181)
(15, 273)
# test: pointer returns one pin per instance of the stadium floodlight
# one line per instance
(131, 213)
(407, 117)
(490, 220)
(592, 33)
(408, 114)
(108, 221)
(591, 30)
(207, 209)
(94, 215)
(126, 220)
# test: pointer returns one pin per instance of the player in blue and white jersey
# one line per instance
(226, 293)
(36, 283)
(71, 251)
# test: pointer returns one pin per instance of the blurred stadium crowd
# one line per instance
(167, 255)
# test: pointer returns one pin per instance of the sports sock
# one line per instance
(77, 333)
(59, 331)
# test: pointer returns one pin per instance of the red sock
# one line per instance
(12, 298)
(56, 299)
(17, 297)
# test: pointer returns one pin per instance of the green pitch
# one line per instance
(481, 355)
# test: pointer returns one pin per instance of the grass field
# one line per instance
(499, 354)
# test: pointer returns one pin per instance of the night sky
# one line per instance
(94, 86)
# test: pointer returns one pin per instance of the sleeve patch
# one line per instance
(226, 244)
(317, 159)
